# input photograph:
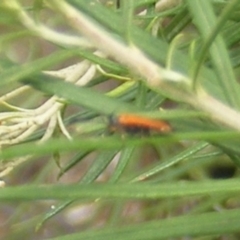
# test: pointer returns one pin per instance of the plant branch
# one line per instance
(166, 81)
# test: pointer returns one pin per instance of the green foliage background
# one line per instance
(184, 184)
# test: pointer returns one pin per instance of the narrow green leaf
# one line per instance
(18, 72)
(127, 17)
(100, 164)
(123, 191)
(76, 159)
(177, 24)
(79, 95)
(171, 161)
(124, 159)
(95, 143)
(185, 226)
(206, 21)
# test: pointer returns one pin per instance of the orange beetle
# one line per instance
(132, 123)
